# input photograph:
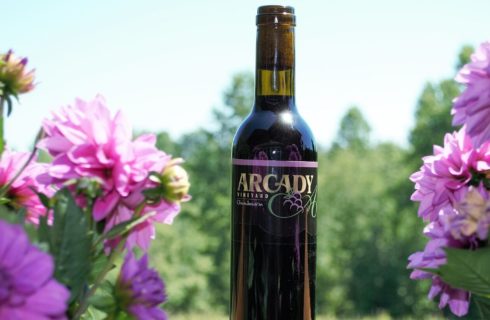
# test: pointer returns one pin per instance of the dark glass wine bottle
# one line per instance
(274, 190)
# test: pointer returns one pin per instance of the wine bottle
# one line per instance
(274, 188)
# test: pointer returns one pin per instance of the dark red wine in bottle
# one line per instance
(274, 188)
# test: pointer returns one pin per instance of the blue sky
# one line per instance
(167, 63)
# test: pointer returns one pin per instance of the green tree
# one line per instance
(354, 131)
(238, 101)
(201, 239)
(433, 116)
(208, 153)
(364, 239)
(367, 226)
(433, 112)
(464, 56)
(432, 121)
(179, 251)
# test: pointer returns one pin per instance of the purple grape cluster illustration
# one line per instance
(294, 201)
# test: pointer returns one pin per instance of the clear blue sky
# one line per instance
(167, 63)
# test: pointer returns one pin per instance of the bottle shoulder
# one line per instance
(279, 135)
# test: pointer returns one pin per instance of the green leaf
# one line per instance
(93, 314)
(104, 299)
(21, 216)
(43, 230)
(9, 105)
(98, 265)
(13, 217)
(89, 187)
(18, 217)
(153, 193)
(124, 316)
(70, 243)
(483, 306)
(124, 227)
(6, 214)
(45, 200)
(467, 269)
(155, 177)
(29, 228)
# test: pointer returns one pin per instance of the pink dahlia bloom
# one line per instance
(142, 234)
(472, 107)
(434, 256)
(20, 193)
(140, 290)
(444, 173)
(88, 142)
(27, 287)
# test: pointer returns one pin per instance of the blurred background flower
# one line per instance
(19, 186)
(27, 287)
(140, 290)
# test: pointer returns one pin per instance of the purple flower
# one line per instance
(458, 300)
(140, 290)
(442, 174)
(20, 193)
(472, 107)
(27, 287)
(434, 256)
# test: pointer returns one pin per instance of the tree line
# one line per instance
(367, 226)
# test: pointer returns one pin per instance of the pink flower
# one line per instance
(142, 234)
(444, 173)
(27, 287)
(20, 193)
(116, 209)
(434, 256)
(87, 142)
(458, 300)
(472, 107)
(140, 290)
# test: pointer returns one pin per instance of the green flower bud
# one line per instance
(175, 182)
(14, 77)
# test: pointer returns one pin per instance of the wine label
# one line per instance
(278, 196)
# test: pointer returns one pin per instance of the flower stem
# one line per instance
(100, 277)
(2, 142)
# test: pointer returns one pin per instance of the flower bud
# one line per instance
(14, 77)
(175, 181)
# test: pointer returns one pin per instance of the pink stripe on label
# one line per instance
(275, 163)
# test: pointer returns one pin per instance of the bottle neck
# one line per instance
(274, 74)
